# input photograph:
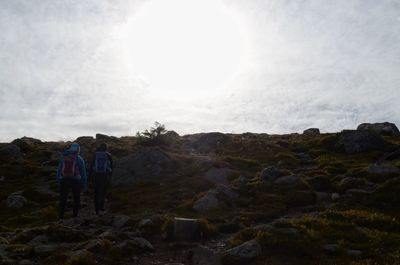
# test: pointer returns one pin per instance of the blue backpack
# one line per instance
(101, 163)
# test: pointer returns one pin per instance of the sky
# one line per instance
(70, 68)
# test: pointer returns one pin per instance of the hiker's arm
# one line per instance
(111, 162)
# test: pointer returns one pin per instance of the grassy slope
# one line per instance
(369, 224)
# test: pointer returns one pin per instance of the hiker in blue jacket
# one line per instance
(101, 169)
(71, 176)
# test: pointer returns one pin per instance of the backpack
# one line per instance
(101, 163)
(70, 166)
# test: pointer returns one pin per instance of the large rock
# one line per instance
(311, 131)
(248, 250)
(44, 250)
(384, 128)
(206, 203)
(11, 150)
(270, 174)
(26, 143)
(186, 229)
(288, 180)
(207, 141)
(211, 199)
(104, 137)
(120, 221)
(85, 140)
(147, 163)
(351, 183)
(351, 141)
(379, 169)
(16, 201)
(205, 256)
(219, 175)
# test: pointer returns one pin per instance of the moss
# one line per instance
(83, 258)
(167, 227)
(207, 230)
(20, 250)
(50, 213)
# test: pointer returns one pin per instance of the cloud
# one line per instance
(64, 70)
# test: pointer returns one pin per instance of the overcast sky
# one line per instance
(65, 69)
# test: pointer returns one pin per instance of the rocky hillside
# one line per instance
(212, 198)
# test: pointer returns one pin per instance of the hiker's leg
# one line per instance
(76, 191)
(103, 192)
(63, 198)
(96, 193)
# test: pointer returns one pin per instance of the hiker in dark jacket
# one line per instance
(100, 172)
(71, 176)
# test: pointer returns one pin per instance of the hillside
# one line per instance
(212, 198)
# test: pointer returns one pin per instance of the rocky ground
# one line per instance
(212, 198)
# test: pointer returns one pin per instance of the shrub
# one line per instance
(154, 136)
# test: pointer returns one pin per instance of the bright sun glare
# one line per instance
(179, 46)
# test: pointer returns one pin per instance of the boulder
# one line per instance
(110, 234)
(206, 203)
(219, 175)
(134, 246)
(186, 229)
(211, 199)
(354, 252)
(16, 201)
(40, 239)
(331, 248)
(26, 143)
(288, 180)
(146, 163)
(351, 141)
(207, 141)
(384, 128)
(145, 223)
(205, 256)
(224, 191)
(248, 250)
(44, 250)
(335, 196)
(120, 221)
(311, 131)
(379, 169)
(270, 174)
(85, 140)
(350, 183)
(142, 244)
(105, 137)
(11, 150)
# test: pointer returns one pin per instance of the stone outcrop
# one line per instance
(247, 250)
(205, 256)
(359, 141)
(16, 200)
(311, 131)
(384, 128)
